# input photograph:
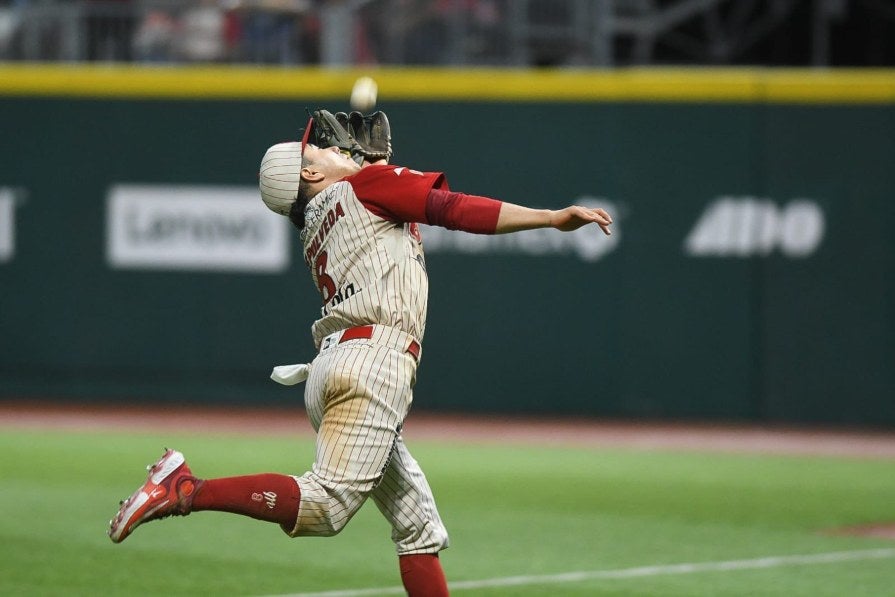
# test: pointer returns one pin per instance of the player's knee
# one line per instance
(325, 509)
(335, 527)
(441, 539)
(324, 522)
(430, 536)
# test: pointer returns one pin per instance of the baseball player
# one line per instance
(357, 217)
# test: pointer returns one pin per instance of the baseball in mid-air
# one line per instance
(363, 94)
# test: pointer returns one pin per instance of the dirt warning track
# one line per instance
(709, 437)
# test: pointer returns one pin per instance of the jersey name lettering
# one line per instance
(326, 224)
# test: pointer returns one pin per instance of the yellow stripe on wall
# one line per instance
(486, 84)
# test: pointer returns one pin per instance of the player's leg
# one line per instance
(172, 490)
(357, 396)
(405, 499)
(268, 496)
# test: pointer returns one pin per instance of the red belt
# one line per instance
(365, 332)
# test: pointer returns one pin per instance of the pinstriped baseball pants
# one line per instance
(357, 396)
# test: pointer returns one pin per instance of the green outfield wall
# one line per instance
(750, 276)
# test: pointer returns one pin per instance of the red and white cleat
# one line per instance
(168, 491)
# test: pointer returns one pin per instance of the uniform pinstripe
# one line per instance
(370, 271)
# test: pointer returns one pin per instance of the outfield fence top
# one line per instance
(749, 85)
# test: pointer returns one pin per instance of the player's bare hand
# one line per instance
(575, 216)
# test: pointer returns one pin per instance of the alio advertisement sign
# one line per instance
(194, 227)
(751, 226)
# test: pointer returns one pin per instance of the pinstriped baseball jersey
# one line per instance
(367, 264)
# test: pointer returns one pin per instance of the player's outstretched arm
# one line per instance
(514, 218)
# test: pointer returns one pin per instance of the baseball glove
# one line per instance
(373, 134)
(330, 131)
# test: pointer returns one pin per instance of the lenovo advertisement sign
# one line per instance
(194, 227)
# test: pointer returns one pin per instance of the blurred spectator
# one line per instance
(271, 30)
(154, 38)
(9, 25)
(484, 39)
(552, 33)
(110, 29)
(202, 33)
(426, 31)
(34, 29)
(422, 30)
(551, 49)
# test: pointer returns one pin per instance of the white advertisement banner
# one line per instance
(194, 227)
(754, 227)
(7, 224)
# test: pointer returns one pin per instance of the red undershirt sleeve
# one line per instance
(402, 195)
(459, 211)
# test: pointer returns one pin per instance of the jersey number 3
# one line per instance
(325, 283)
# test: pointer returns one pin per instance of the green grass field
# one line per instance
(513, 511)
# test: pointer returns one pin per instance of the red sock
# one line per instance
(269, 497)
(422, 575)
